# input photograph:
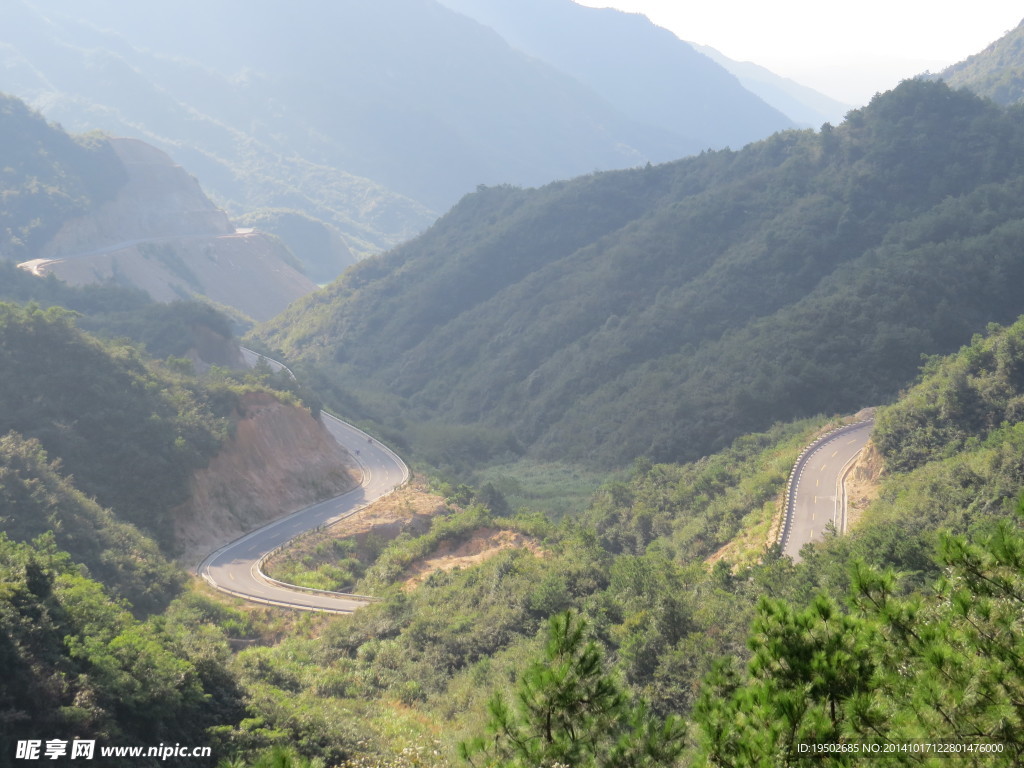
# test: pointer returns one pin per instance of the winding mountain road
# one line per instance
(814, 500)
(236, 567)
(815, 495)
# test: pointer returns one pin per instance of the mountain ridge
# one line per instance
(805, 106)
(643, 70)
(997, 72)
(671, 301)
(378, 147)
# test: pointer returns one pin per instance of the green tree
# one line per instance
(569, 710)
(806, 665)
(941, 665)
(951, 662)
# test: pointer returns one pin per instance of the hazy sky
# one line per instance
(846, 50)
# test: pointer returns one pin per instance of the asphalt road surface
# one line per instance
(235, 568)
(816, 494)
(252, 359)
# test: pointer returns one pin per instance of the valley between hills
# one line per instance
(549, 357)
(240, 567)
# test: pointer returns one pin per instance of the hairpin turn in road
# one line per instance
(236, 567)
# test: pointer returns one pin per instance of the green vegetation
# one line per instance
(441, 648)
(927, 645)
(997, 72)
(98, 408)
(37, 501)
(694, 509)
(115, 312)
(553, 488)
(964, 399)
(467, 647)
(570, 711)
(472, 655)
(277, 757)
(940, 666)
(662, 312)
(97, 639)
(76, 662)
(47, 177)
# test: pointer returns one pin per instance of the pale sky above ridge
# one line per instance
(845, 50)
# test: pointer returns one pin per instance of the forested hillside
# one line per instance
(130, 436)
(187, 329)
(37, 500)
(686, 324)
(78, 665)
(663, 311)
(996, 72)
(406, 679)
(96, 445)
(47, 177)
(928, 643)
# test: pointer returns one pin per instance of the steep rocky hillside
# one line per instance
(162, 234)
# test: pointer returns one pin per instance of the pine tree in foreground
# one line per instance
(569, 711)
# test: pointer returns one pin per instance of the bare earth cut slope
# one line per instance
(482, 544)
(162, 234)
(279, 460)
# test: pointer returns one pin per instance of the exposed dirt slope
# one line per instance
(482, 545)
(162, 234)
(863, 482)
(279, 461)
(408, 510)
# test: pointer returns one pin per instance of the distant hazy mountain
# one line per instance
(805, 106)
(93, 210)
(247, 148)
(323, 253)
(47, 178)
(645, 71)
(997, 72)
(367, 115)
